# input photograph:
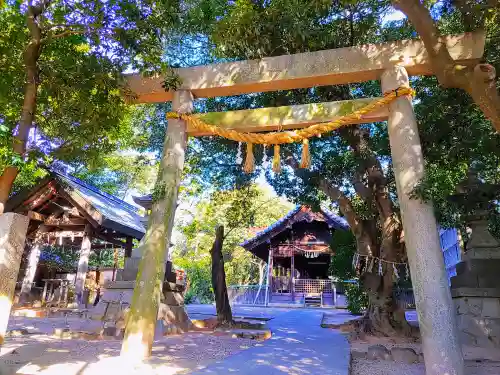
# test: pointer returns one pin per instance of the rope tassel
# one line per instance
(370, 265)
(306, 156)
(249, 166)
(277, 160)
(395, 272)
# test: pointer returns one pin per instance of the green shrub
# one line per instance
(189, 297)
(357, 300)
(198, 278)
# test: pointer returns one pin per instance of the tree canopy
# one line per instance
(352, 168)
(238, 210)
(61, 77)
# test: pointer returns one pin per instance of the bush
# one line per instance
(199, 279)
(357, 300)
(189, 297)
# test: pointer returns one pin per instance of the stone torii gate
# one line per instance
(391, 63)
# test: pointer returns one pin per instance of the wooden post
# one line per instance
(115, 264)
(51, 290)
(292, 276)
(142, 317)
(44, 294)
(31, 266)
(65, 295)
(83, 263)
(269, 276)
(128, 247)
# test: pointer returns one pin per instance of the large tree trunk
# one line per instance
(383, 317)
(30, 57)
(224, 314)
(478, 82)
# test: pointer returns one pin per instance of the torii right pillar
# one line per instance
(436, 313)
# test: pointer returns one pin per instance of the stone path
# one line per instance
(299, 346)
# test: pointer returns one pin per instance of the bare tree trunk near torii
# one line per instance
(224, 314)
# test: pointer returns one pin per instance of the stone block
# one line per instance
(13, 229)
(123, 284)
(464, 280)
(475, 292)
(173, 298)
(130, 269)
(491, 252)
(111, 295)
(404, 355)
(98, 311)
(479, 331)
(491, 308)
(129, 274)
(378, 352)
(475, 305)
(174, 316)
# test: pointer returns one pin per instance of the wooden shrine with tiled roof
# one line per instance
(70, 213)
(297, 249)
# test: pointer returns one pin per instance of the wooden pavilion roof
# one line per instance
(61, 207)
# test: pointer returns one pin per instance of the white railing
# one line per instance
(247, 294)
(308, 286)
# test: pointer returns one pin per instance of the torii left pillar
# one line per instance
(142, 317)
(13, 229)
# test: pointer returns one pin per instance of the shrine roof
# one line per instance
(104, 209)
(298, 214)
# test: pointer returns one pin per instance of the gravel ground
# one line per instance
(366, 367)
(40, 354)
(479, 361)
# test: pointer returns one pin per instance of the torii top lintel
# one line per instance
(327, 67)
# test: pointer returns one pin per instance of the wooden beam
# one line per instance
(109, 238)
(66, 221)
(66, 233)
(32, 215)
(310, 69)
(85, 208)
(288, 117)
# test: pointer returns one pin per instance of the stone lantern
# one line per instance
(476, 287)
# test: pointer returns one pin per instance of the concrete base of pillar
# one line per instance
(172, 312)
(130, 269)
(13, 229)
(476, 296)
(116, 299)
(475, 289)
(478, 316)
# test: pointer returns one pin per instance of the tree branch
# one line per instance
(478, 82)
(64, 34)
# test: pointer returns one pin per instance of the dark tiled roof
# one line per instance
(330, 218)
(117, 214)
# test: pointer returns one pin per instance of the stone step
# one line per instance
(253, 334)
